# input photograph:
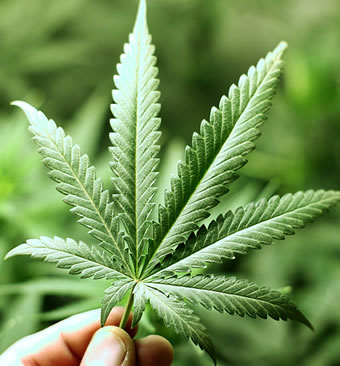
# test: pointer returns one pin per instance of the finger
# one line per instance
(78, 337)
(63, 343)
(154, 350)
(110, 346)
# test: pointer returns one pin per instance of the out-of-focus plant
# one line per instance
(154, 261)
(44, 61)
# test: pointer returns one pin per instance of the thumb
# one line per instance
(110, 346)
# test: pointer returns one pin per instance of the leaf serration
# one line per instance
(147, 259)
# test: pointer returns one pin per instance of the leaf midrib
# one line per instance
(220, 293)
(139, 41)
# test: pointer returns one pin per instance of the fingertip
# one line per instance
(123, 335)
(154, 350)
(110, 346)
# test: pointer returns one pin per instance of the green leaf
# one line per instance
(175, 313)
(234, 296)
(142, 257)
(216, 154)
(113, 295)
(77, 181)
(248, 228)
(134, 137)
(79, 258)
(138, 306)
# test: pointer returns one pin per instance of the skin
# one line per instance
(80, 341)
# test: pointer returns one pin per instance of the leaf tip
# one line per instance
(26, 108)
(17, 103)
(22, 249)
(281, 47)
(302, 319)
(306, 322)
(11, 254)
(141, 17)
(213, 357)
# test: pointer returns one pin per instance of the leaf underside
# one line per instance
(77, 181)
(134, 138)
(153, 261)
(248, 228)
(217, 152)
(232, 296)
(113, 295)
(175, 313)
(78, 258)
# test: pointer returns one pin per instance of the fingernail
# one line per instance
(105, 349)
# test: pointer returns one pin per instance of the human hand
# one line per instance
(79, 341)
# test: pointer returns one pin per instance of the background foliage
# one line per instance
(60, 56)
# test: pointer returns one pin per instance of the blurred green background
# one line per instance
(61, 55)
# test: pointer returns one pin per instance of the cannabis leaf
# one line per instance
(134, 138)
(248, 228)
(152, 262)
(230, 295)
(216, 153)
(79, 258)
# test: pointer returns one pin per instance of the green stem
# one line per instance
(128, 308)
